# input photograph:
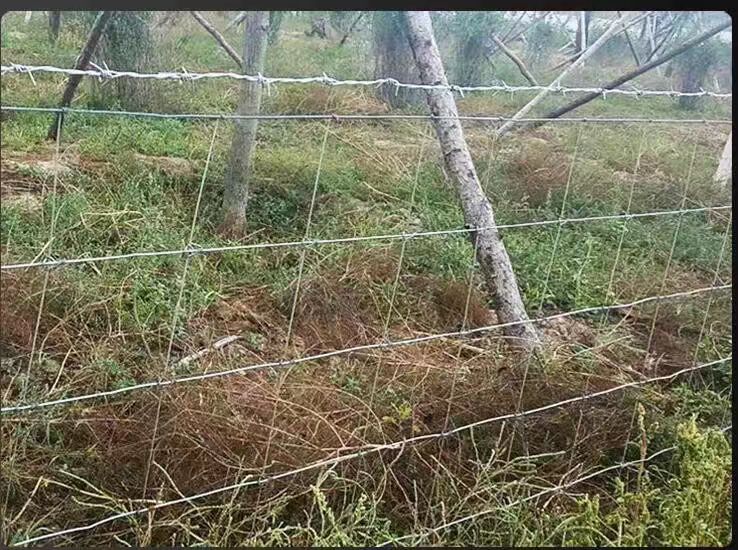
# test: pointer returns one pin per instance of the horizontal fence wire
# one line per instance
(542, 493)
(379, 345)
(204, 251)
(337, 117)
(186, 76)
(376, 448)
(104, 73)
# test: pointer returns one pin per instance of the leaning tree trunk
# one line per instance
(84, 58)
(54, 25)
(583, 100)
(235, 195)
(495, 263)
(725, 169)
(393, 59)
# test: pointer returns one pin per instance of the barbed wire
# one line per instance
(187, 76)
(345, 351)
(204, 251)
(337, 117)
(376, 448)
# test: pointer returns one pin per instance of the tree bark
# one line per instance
(219, 38)
(515, 59)
(582, 30)
(84, 58)
(724, 171)
(580, 61)
(393, 59)
(54, 25)
(491, 253)
(235, 195)
(556, 113)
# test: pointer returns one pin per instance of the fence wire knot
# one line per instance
(457, 89)
(192, 250)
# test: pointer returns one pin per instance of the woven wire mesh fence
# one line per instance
(380, 345)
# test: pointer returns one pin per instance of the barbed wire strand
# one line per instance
(364, 347)
(58, 263)
(111, 74)
(374, 448)
(347, 117)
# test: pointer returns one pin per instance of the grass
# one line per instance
(133, 185)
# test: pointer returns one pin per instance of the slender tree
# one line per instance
(54, 25)
(490, 250)
(93, 39)
(692, 69)
(238, 172)
(219, 38)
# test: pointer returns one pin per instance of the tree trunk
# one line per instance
(724, 171)
(582, 28)
(495, 263)
(556, 113)
(84, 58)
(235, 195)
(54, 25)
(393, 59)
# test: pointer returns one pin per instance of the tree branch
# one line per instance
(219, 38)
(515, 59)
(543, 93)
(631, 75)
(351, 28)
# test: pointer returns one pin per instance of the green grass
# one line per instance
(115, 318)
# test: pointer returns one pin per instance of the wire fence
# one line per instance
(185, 76)
(46, 262)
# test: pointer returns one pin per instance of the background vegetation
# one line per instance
(130, 184)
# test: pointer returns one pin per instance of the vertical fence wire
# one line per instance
(175, 312)
(398, 271)
(293, 309)
(624, 230)
(710, 299)
(674, 241)
(48, 248)
(561, 217)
